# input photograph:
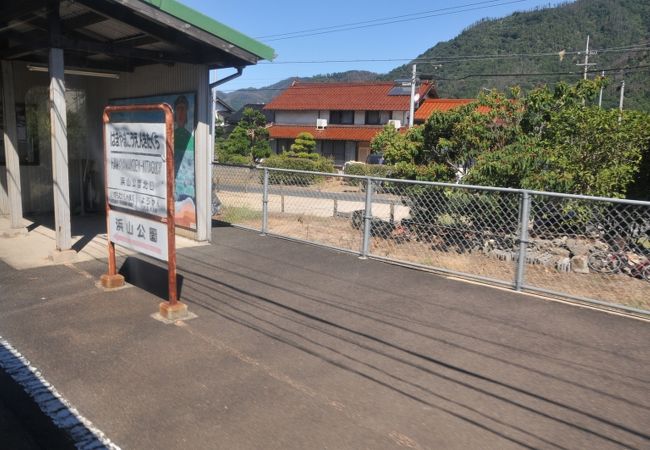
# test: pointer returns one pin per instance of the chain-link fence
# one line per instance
(585, 248)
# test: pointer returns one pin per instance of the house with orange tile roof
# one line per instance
(342, 117)
(431, 105)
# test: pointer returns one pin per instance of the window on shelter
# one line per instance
(342, 117)
(27, 142)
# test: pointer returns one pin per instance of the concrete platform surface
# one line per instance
(300, 347)
(34, 245)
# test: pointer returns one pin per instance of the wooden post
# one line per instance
(59, 138)
(11, 146)
(202, 159)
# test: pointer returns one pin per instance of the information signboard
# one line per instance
(139, 170)
(138, 233)
(136, 166)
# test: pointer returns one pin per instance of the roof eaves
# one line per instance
(209, 25)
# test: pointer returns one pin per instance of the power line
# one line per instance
(452, 58)
(393, 21)
(331, 27)
(497, 75)
(474, 75)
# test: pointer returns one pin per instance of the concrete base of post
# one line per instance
(63, 256)
(177, 311)
(111, 281)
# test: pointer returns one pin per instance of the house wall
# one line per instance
(297, 117)
(309, 117)
(363, 151)
(401, 116)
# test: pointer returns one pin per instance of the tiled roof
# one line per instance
(439, 104)
(330, 133)
(366, 96)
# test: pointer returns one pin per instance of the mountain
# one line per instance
(611, 24)
(241, 97)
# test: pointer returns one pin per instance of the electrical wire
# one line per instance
(332, 27)
(452, 58)
(474, 75)
(394, 21)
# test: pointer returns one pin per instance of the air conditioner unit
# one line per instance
(321, 124)
(396, 123)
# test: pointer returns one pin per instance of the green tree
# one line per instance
(551, 139)
(304, 143)
(248, 141)
(457, 138)
(397, 147)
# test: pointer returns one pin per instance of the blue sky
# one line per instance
(405, 39)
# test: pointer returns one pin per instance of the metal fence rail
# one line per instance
(585, 248)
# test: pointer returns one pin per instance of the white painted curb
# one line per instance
(62, 413)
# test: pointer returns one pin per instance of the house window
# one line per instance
(339, 151)
(342, 117)
(283, 145)
(373, 117)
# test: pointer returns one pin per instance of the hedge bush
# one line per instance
(366, 170)
(235, 159)
(309, 162)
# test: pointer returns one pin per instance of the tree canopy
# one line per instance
(551, 139)
(248, 141)
(304, 143)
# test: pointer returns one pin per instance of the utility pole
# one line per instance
(412, 107)
(600, 96)
(620, 102)
(587, 63)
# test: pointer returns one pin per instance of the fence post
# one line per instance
(524, 215)
(265, 203)
(367, 219)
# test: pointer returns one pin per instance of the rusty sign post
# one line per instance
(140, 194)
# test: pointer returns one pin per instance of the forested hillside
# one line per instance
(611, 24)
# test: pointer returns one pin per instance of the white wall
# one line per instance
(401, 115)
(296, 117)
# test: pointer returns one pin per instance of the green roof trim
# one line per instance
(205, 23)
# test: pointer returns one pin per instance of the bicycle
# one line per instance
(617, 262)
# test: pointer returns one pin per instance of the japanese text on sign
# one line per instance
(137, 233)
(137, 175)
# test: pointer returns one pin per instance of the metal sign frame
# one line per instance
(113, 279)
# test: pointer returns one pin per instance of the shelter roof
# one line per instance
(119, 35)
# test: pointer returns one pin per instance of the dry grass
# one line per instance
(338, 232)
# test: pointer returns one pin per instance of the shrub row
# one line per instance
(366, 170)
(309, 162)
